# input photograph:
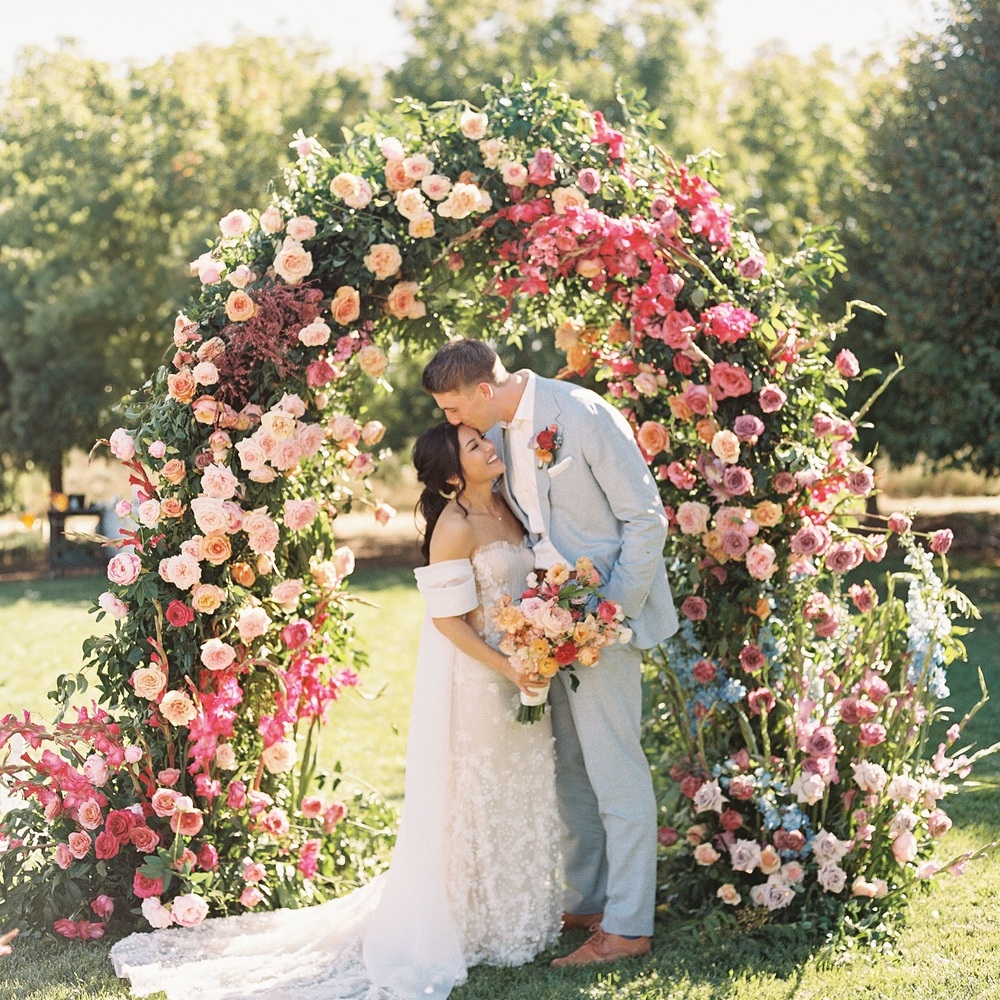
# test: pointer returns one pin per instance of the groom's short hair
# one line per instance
(460, 364)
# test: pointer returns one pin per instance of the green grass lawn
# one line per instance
(949, 949)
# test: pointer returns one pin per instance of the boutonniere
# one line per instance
(545, 444)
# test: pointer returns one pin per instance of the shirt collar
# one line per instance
(526, 406)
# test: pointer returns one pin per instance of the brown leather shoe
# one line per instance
(604, 947)
(581, 921)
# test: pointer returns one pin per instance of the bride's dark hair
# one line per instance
(436, 459)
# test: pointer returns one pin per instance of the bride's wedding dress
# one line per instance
(474, 877)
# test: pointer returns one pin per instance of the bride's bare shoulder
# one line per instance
(454, 537)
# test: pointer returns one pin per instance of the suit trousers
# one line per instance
(605, 790)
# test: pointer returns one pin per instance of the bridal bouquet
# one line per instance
(560, 620)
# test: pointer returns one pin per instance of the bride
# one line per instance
(474, 877)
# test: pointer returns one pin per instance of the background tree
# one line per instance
(592, 47)
(107, 187)
(927, 244)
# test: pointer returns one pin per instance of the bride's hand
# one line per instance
(530, 684)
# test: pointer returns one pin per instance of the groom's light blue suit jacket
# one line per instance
(598, 499)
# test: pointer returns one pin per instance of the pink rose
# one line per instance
(296, 634)
(871, 734)
(124, 568)
(844, 556)
(157, 915)
(89, 815)
(729, 380)
(216, 654)
(112, 605)
(589, 180)
(106, 846)
(761, 561)
(752, 658)
(847, 364)
(301, 228)
(771, 398)
(694, 608)
(188, 910)
(752, 266)
(904, 847)
(252, 623)
(861, 482)
(251, 896)
(236, 223)
(941, 541)
(747, 427)
(760, 701)
(145, 887)
(899, 523)
(300, 514)
(122, 445)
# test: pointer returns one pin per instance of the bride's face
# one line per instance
(477, 456)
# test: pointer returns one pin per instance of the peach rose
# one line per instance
(728, 894)
(345, 186)
(177, 708)
(218, 482)
(210, 514)
(236, 223)
(726, 445)
(206, 598)
(205, 373)
(271, 221)
(243, 574)
(173, 471)
(421, 227)
(706, 854)
(287, 593)
(292, 262)
(225, 757)
(238, 278)
(315, 334)
(372, 432)
(148, 682)
(148, 513)
(410, 203)
(653, 437)
(403, 303)
(205, 409)
(473, 124)
(692, 517)
(171, 507)
(182, 386)
(216, 654)
(280, 757)
(514, 174)
(360, 198)
(418, 166)
(372, 361)
(301, 228)
(436, 186)
(767, 514)
(383, 260)
(761, 561)
(300, 514)
(396, 177)
(240, 307)
(462, 201)
(346, 305)
(278, 423)
(568, 197)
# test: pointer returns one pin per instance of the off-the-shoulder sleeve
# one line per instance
(448, 588)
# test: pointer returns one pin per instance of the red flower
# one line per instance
(120, 822)
(179, 614)
(106, 845)
(145, 887)
(565, 653)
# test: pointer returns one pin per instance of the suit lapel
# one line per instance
(501, 442)
(546, 412)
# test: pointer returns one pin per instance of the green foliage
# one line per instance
(927, 242)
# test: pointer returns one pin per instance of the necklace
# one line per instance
(487, 513)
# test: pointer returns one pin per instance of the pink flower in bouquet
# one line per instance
(731, 819)
(311, 806)
(941, 541)
(384, 513)
(692, 517)
(89, 815)
(187, 823)
(106, 846)
(157, 915)
(761, 561)
(79, 844)
(188, 910)
(652, 438)
(729, 380)
(63, 856)
(144, 840)
(748, 428)
(292, 262)
(869, 776)
(810, 539)
(280, 757)
(236, 795)
(300, 514)
(252, 623)
(752, 266)
(81, 930)
(832, 878)
(177, 708)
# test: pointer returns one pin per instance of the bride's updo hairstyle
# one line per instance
(436, 459)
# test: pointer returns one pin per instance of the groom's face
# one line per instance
(474, 406)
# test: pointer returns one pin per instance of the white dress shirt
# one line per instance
(521, 474)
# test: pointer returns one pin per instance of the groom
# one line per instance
(583, 488)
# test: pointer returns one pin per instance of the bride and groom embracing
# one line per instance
(510, 833)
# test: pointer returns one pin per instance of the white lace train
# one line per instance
(479, 803)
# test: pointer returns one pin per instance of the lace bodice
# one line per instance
(499, 568)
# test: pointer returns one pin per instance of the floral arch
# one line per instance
(789, 713)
